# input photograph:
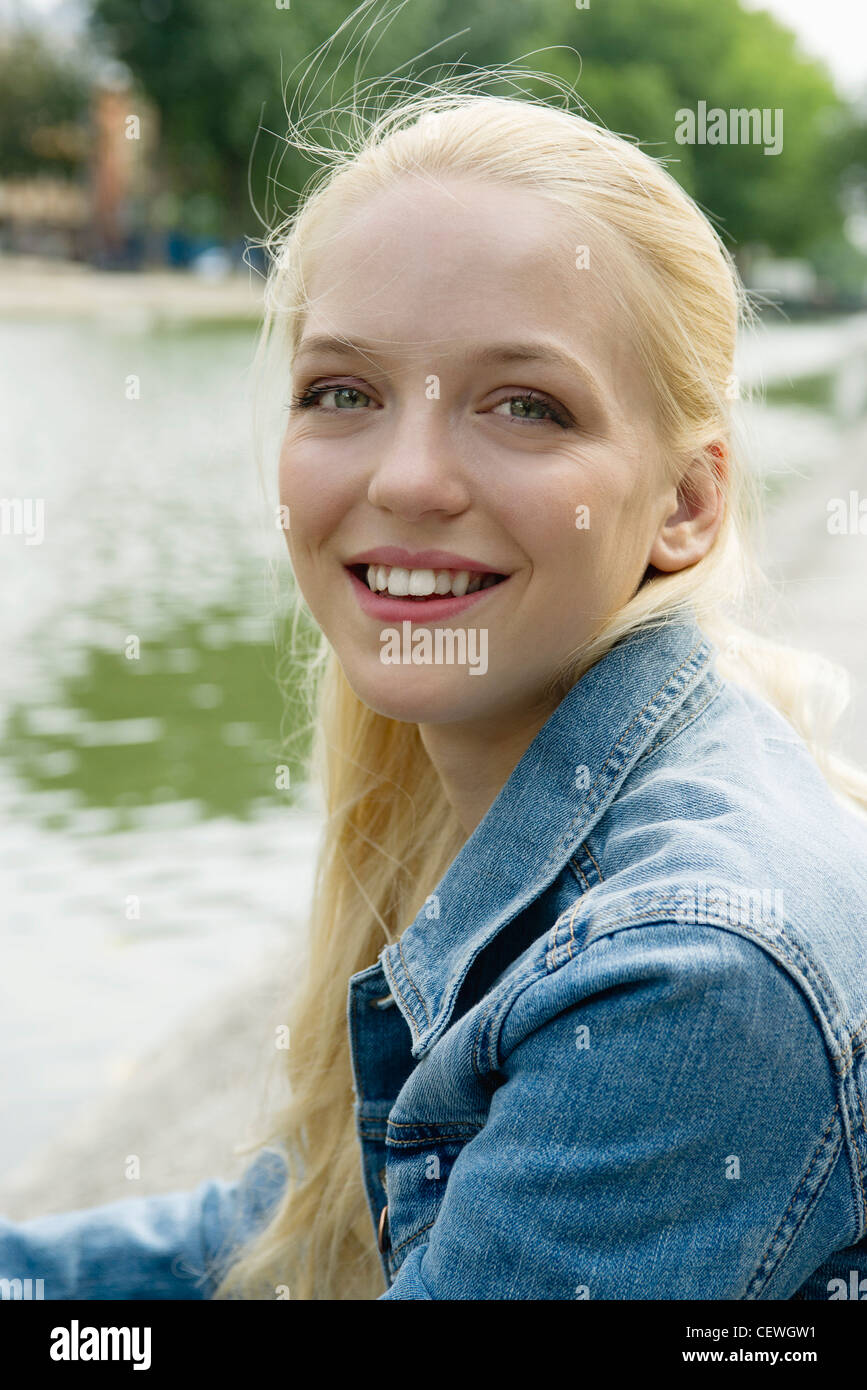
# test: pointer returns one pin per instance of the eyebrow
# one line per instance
(495, 354)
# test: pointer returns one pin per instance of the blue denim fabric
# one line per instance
(620, 1053)
(173, 1246)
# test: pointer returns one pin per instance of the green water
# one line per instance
(155, 529)
(197, 716)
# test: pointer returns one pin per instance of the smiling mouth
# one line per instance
(392, 581)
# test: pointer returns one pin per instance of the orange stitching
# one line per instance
(413, 1236)
(769, 1247)
(477, 1039)
(571, 942)
(406, 1005)
(414, 1124)
(578, 869)
(589, 854)
(411, 980)
(859, 1031)
(670, 733)
(857, 1155)
(439, 1138)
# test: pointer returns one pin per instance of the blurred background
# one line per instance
(157, 839)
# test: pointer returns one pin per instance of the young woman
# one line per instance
(586, 1007)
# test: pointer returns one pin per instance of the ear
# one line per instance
(687, 534)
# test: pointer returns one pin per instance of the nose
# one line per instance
(419, 467)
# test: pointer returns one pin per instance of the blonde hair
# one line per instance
(390, 833)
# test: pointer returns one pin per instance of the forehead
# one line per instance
(428, 264)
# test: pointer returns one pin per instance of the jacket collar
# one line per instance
(562, 785)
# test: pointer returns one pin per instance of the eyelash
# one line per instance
(311, 394)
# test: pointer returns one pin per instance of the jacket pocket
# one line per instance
(419, 1159)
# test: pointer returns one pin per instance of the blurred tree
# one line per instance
(211, 66)
(214, 69)
(841, 257)
(43, 108)
(643, 60)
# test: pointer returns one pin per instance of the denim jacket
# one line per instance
(620, 1053)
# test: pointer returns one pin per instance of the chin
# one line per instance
(417, 696)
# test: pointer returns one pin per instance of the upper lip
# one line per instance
(420, 560)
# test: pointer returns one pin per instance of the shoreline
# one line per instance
(34, 288)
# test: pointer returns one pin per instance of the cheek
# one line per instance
(295, 475)
(584, 533)
(315, 494)
(568, 519)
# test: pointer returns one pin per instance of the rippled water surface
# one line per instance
(156, 835)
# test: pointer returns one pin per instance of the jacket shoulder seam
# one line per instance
(689, 717)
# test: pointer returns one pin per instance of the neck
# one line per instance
(474, 760)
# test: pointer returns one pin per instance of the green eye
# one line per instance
(351, 396)
(314, 395)
(529, 409)
(533, 407)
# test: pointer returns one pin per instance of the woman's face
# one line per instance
(491, 409)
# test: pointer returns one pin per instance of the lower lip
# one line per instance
(416, 610)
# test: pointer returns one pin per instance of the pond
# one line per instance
(158, 838)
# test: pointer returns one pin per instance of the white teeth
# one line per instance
(422, 582)
(400, 582)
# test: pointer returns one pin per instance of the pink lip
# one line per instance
(415, 610)
(419, 559)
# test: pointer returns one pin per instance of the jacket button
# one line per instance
(382, 1238)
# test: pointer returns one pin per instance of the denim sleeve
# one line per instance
(171, 1246)
(663, 1124)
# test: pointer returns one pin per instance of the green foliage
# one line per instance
(213, 67)
(643, 60)
(43, 109)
